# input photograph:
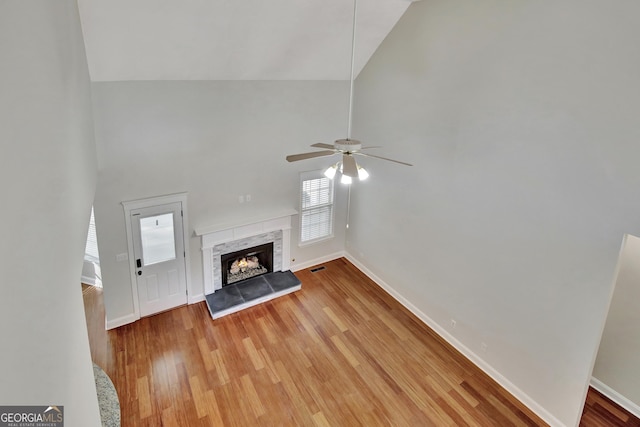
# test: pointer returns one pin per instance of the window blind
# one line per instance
(91, 248)
(316, 208)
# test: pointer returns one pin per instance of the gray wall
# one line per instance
(617, 362)
(48, 175)
(521, 119)
(216, 141)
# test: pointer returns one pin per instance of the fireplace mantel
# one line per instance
(244, 225)
(220, 234)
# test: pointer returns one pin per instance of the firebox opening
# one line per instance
(246, 263)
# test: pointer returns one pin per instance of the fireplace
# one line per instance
(246, 263)
(239, 237)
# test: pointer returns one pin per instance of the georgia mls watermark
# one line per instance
(32, 416)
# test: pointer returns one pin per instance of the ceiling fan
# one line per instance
(347, 147)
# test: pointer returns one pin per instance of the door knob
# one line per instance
(139, 273)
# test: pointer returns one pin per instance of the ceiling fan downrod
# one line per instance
(353, 63)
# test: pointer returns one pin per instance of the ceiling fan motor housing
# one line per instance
(347, 145)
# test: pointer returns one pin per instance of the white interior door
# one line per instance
(158, 247)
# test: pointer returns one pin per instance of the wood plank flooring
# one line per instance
(340, 352)
(600, 411)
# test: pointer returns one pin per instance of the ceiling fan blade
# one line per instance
(322, 145)
(349, 166)
(304, 156)
(384, 158)
(369, 147)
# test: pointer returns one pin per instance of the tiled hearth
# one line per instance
(251, 292)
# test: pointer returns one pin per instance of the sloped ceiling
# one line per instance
(231, 39)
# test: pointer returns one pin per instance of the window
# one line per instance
(316, 218)
(158, 242)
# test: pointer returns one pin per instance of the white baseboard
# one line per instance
(121, 321)
(88, 280)
(477, 360)
(615, 396)
(311, 263)
(130, 318)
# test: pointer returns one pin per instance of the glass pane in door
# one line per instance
(157, 237)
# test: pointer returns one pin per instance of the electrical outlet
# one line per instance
(453, 323)
(240, 199)
(247, 198)
(483, 347)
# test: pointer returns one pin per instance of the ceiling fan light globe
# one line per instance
(345, 180)
(331, 171)
(362, 173)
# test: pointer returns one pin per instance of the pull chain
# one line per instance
(348, 205)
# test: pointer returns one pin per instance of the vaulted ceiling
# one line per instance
(231, 39)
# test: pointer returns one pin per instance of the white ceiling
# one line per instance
(231, 39)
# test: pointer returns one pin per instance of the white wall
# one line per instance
(521, 119)
(617, 362)
(48, 175)
(216, 141)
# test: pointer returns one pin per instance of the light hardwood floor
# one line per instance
(600, 411)
(340, 352)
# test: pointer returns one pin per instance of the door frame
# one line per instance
(147, 203)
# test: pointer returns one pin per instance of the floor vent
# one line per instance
(313, 270)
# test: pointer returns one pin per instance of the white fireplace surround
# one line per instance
(222, 239)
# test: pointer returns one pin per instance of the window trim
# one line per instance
(307, 176)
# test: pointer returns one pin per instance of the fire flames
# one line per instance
(244, 264)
